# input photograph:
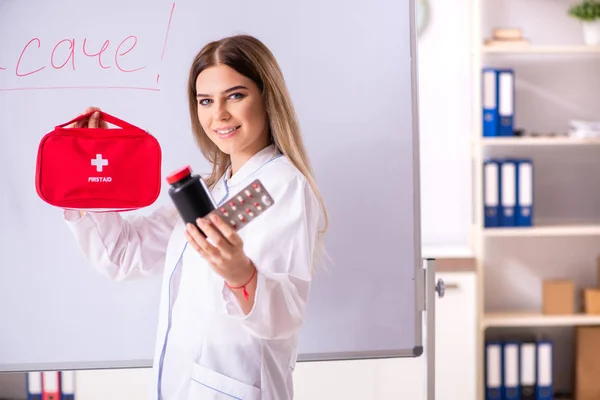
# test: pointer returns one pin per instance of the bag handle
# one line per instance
(105, 117)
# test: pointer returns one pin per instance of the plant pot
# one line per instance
(591, 32)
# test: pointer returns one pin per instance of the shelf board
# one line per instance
(530, 319)
(544, 230)
(538, 141)
(542, 49)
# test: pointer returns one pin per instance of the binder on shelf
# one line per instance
(508, 199)
(545, 387)
(491, 193)
(489, 95)
(67, 385)
(506, 105)
(493, 371)
(510, 377)
(33, 381)
(527, 369)
(51, 385)
(498, 100)
(524, 192)
(508, 192)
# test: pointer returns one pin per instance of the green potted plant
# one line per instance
(588, 12)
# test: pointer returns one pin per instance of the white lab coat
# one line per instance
(206, 348)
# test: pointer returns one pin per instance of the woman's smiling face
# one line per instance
(231, 111)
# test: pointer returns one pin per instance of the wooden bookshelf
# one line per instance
(541, 49)
(532, 319)
(538, 141)
(488, 243)
(545, 230)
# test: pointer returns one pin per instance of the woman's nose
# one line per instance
(221, 112)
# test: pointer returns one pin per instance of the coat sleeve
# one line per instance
(281, 247)
(123, 248)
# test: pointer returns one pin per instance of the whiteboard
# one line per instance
(350, 68)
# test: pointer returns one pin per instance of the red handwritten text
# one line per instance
(117, 54)
(21, 56)
(99, 54)
(166, 37)
(21, 70)
(73, 54)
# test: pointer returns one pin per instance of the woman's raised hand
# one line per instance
(93, 121)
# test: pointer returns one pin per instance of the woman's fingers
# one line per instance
(199, 242)
(194, 244)
(215, 236)
(85, 121)
(93, 121)
(80, 123)
(96, 122)
(226, 230)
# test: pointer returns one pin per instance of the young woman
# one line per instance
(232, 303)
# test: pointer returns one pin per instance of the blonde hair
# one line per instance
(251, 58)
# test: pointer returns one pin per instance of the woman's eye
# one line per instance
(204, 102)
(237, 96)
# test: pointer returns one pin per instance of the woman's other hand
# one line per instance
(93, 121)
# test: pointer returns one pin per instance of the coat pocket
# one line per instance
(208, 384)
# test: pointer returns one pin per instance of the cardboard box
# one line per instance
(558, 297)
(598, 272)
(591, 301)
(587, 363)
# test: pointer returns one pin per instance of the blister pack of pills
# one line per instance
(245, 206)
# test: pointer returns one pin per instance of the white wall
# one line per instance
(446, 206)
(445, 95)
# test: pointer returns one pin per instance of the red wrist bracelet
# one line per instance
(244, 285)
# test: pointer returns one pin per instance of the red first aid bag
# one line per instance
(98, 169)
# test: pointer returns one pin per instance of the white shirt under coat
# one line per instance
(211, 349)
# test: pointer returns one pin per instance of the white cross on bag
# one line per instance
(99, 162)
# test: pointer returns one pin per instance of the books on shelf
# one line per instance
(518, 369)
(498, 110)
(498, 98)
(507, 37)
(50, 385)
(508, 192)
(507, 43)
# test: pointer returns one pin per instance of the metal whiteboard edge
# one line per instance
(418, 351)
(68, 366)
(355, 355)
(53, 366)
